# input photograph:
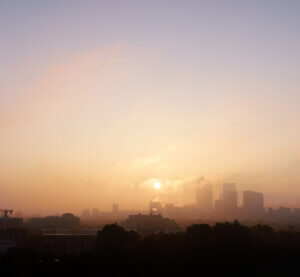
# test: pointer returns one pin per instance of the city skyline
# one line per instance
(99, 100)
(206, 201)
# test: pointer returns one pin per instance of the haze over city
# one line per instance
(102, 100)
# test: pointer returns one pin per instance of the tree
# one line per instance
(113, 239)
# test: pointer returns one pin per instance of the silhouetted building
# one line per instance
(282, 215)
(185, 212)
(230, 201)
(284, 211)
(11, 222)
(227, 205)
(253, 204)
(218, 206)
(229, 187)
(116, 213)
(148, 224)
(65, 221)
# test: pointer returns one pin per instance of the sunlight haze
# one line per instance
(125, 102)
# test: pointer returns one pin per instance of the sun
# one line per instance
(156, 185)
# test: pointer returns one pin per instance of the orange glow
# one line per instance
(156, 185)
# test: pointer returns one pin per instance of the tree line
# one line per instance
(228, 248)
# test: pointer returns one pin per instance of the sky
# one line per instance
(101, 99)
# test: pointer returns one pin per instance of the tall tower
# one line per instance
(230, 198)
(253, 204)
(229, 187)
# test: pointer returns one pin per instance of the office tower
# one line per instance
(253, 204)
(229, 187)
(204, 197)
(218, 207)
(230, 199)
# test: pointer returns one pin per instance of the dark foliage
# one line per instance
(229, 249)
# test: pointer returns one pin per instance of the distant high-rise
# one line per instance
(227, 206)
(204, 197)
(253, 204)
(218, 206)
(229, 187)
(230, 201)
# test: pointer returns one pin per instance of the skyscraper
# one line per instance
(229, 187)
(253, 204)
(228, 204)
(230, 201)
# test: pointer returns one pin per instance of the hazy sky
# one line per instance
(100, 99)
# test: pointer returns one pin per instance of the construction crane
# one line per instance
(6, 212)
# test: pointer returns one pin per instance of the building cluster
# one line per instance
(114, 214)
(66, 233)
(146, 224)
(226, 207)
(10, 222)
(12, 231)
(283, 215)
(67, 220)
